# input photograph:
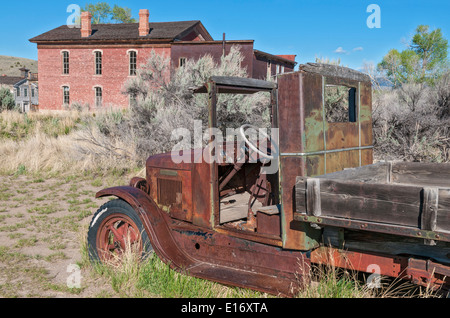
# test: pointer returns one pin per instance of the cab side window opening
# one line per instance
(340, 104)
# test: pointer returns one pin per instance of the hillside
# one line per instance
(10, 65)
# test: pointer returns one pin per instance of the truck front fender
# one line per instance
(156, 224)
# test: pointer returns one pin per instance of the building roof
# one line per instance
(25, 81)
(121, 31)
(10, 80)
(280, 58)
(335, 71)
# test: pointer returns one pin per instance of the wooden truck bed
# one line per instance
(406, 199)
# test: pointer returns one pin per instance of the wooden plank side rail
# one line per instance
(399, 209)
(421, 173)
(382, 203)
(313, 203)
(429, 211)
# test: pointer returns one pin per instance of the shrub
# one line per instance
(412, 122)
(162, 101)
(6, 100)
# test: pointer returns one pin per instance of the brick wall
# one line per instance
(197, 50)
(82, 79)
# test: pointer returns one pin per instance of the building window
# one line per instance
(32, 92)
(269, 69)
(25, 92)
(98, 63)
(132, 100)
(65, 56)
(182, 61)
(18, 92)
(98, 97)
(66, 95)
(133, 63)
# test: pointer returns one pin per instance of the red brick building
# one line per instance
(90, 65)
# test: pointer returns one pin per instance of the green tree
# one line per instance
(6, 100)
(431, 47)
(103, 13)
(122, 15)
(424, 60)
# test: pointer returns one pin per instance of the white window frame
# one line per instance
(132, 65)
(65, 64)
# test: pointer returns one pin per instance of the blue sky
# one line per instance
(308, 28)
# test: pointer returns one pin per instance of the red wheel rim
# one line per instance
(117, 233)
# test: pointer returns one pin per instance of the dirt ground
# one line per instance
(43, 224)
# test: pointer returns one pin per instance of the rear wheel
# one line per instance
(114, 230)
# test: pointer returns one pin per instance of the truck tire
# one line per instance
(114, 228)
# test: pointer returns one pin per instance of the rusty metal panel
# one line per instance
(342, 135)
(312, 100)
(315, 166)
(290, 113)
(290, 167)
(419, 271)
(366, 157)
(277, 271)
(310, 145)
(366, 114)
(387, 265)
(295, 235)
(172, 191)
(268, 224)
(201, 200)
(338, 161)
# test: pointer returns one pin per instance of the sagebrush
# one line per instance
(412, 122)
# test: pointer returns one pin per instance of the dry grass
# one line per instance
(330, 281)
(60, 143)
(131, 276)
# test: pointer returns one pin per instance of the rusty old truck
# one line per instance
(326, 203)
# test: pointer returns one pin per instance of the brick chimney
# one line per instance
(24, 72)
(144, 25)
(86, 27)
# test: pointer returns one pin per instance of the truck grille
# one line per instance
(169, 192)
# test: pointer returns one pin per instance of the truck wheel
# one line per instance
(114, 230)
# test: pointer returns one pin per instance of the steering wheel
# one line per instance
(252, 146)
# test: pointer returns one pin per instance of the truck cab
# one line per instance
(242, 197)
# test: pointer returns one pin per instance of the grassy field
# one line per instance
(47, 198)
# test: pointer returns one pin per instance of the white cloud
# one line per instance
(359, 48)
(340, 50)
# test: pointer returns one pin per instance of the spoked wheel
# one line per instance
(116, 235)
(116, 229)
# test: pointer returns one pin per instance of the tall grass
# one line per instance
(132, 276)
(17, 126)
(59, 143)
